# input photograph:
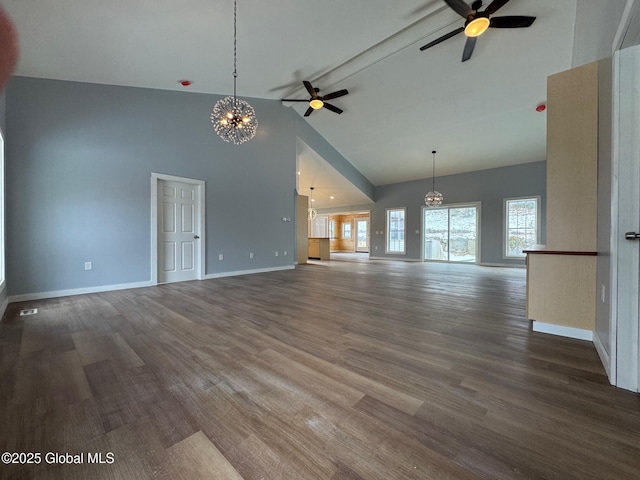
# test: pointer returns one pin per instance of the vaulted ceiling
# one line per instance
(402, 104)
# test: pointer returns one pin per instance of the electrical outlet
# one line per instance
(284, 253)
(251, 255)
(276, 254)
(88, 265)
(220, 257)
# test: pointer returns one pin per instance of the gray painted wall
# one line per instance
(490, 187)
(79, 161)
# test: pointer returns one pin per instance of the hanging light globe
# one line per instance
(433, 198)
(234, 120)
(313, 213)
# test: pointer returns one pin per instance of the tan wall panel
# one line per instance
(572, 159)
(339, 244)
(302, 229)
(562, 290)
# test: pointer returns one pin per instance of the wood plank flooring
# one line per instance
(332, 371)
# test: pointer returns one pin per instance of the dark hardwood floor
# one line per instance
(335, 370)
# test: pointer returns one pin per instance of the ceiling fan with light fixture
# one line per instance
(478, 22)
(316, 101)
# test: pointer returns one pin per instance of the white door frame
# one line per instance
(368, 222)
(200, 215)
(624, 370)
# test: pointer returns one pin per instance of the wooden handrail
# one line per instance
(560, 252)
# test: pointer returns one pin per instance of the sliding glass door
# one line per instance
(451, 233)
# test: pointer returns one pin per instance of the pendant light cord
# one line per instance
(235, 48)
(433, 176)
(234, 120)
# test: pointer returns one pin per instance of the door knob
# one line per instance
(196, 237)
(632, 236)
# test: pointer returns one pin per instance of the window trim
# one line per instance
(388, 231)
(344, 237)
(505, 227)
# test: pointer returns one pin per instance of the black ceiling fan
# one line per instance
(477, 22)
(316, 101)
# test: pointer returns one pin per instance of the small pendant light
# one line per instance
(313, 213)
(433, 198)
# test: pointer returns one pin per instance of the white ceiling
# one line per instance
(330, 188)
(403, 103)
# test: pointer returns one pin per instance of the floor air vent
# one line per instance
(28, 311)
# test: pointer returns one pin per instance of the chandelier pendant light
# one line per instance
(433, 198)
(234, 120)
(313, 213)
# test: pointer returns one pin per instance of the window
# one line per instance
(346, 231)
(395, 230)
(522, 225)
(332, 228)
(451, 233)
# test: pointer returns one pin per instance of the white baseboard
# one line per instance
(123, 286)
(562, 331)
(76, 291)
(604, 356)
(396, 259)
(510, 265)
(209, 276)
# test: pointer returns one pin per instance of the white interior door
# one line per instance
(627, 257)
(178, 231)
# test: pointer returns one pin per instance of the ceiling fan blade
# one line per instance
(495, 6)
(460, 7)
(294, 100)
(442, 39)
(468, 48)
(310, 89)
(339, 93)
(516, 21)
(308, 112)
(337, 110)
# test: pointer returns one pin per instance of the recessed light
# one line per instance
(313, 199)
(332, 197)
(299, 173)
